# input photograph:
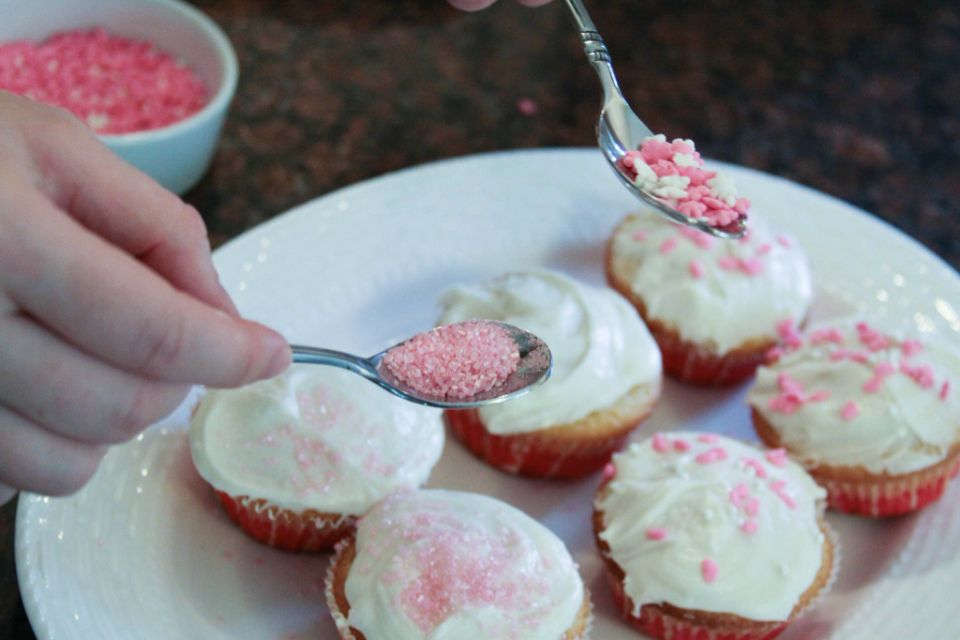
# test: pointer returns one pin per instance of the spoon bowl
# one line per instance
(533, 367)
(620, 130)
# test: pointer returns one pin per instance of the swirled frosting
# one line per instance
(720, 293)
(856, 393)
(314, 438)
(448, 565)
(601, 348)
(704, 522)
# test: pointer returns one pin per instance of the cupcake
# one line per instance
(296, 459)
(705, 537)
(450, 565)
(715, 307)
(867, 410)
(606, 375)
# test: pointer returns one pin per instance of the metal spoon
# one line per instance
(620, 130)
(533, 369)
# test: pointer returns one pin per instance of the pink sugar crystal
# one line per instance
(821, 336)
(871, 338)
(749, 526)
(456, 361)
(945, 390)
(921, 374)
(709, 570)
(114, 84)
(681, 445)
(756, 465)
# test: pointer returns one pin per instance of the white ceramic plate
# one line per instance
(145, 552)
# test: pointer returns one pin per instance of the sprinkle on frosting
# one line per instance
(668, 245)
(656, 533)
(889, 410)
(710, 570)
(850, 410)
(714, 516)
(464, 563)
(674, 173)
(776, 457)
(114, 84)
(455, 362)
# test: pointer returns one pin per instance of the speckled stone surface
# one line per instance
(860, 100)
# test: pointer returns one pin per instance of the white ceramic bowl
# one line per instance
(177, 155)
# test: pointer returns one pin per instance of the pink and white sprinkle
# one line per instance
(673, 172)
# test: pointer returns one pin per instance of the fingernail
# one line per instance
(279, 355)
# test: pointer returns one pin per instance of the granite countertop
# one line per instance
(859, 100)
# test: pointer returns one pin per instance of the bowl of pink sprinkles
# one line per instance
(153, 78)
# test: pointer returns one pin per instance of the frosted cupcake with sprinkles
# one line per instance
(872, 413)
(705, 537)
(606, 375)
(714, 306)
(447, 565)
(296, 459)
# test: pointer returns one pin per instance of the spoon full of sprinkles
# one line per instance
(668, 176)
(454, 366)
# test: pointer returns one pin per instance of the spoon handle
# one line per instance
(329, 357)
(596, 50)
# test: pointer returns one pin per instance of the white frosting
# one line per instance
(448, 565)
(759, 575)
(314, 438)
(903, 426)
(679, 277)
(601, 348)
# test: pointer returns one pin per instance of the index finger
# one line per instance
(115, 308)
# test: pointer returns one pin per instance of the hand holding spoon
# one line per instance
(457, 366)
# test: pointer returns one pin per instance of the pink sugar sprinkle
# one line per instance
(751, 266)
(776, 457)
(789, 335)
(738, 494)
(779, 487)
(850, 410)
(696, 269)
(708, 438)
(668, 245)
(921, 374)
(880, 371)
(764, 249)
(871, 338)
(114, 84)
(784, 241)
(661, 444)
(820, 336)
(757, 467)
(656, 533)
(819, 396)
(944, 390)
(773, 354)
(842, 353)
(751, 506)
(681, 445)
(911, 348)
(709, 570)
(727, 263)
(714, 454)
(749, 526)
(609, 471)
(527, 106)
(456, 361)
(697, 237)
(639, 236)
